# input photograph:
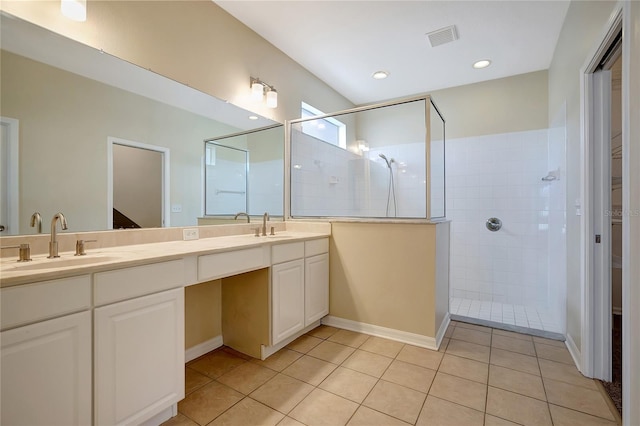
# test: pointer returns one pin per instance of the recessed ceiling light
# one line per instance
(379, 75)
(253, 117)
(482, 64)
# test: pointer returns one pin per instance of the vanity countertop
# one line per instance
(40, 268)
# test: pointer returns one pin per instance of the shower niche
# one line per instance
(378, 161)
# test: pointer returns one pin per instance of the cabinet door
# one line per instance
(287, 286)
(139, 357)
(46, 372)
(316, 296)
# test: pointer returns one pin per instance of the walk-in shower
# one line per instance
(391, 190)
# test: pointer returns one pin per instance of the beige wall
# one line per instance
(193, 42)
(203, 313)
(583, 26)
(510, 104)
(385, 275)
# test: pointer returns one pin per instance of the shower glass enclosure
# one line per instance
(378, 161)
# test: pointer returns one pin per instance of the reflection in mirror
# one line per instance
(437, 161)
(244, 173)
(65, 100)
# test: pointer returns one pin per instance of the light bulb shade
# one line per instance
(74, 9)
(256, 91)
(272, 99)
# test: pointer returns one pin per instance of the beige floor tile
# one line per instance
(449, 331)
(179, 420)
(288, 421)
(517, 408)
(381, 346)
(514, 345)
(512, 334)
(282, 393)
(444, 344)
(304, 344)
(474, 327)
(368, 363)
(517, 381)
(459, 390)
(232, 351)
(348, 338)
(409, 375)
(396, 401)
(565, 417)
(349, 384)
(216, 363)
(515, 361)
(365, 416)
(565, 373)
(332, 352)
(473, 336)
(194, 380)
(552, 342)
(310, 370)
(248, 412)
(246, 377)
(208, 402)
(324, 408)
(554, 353)
(465, 368)
(438, 412)
(577, 398)
(490, 420)
(280, 360)
(323, 332)
(469, 350)
(420, 356)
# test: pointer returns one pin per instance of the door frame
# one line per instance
(13, 173)
(166, 161)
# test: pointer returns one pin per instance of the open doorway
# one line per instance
(138, 185)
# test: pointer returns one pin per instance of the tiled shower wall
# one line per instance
(499, 176)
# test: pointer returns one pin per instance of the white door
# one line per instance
(139, 357)
(46, 372)
(8, 176)
(287, 299)
(316, 283)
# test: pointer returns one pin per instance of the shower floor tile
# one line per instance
(506, 313)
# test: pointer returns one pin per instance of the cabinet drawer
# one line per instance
(314, 247)
(29, 303)
(128, 283)
(220, 265)
(286, 252)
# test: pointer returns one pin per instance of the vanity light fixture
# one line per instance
(74, 9)
(259, 89)
(483, 63)
(380, 75)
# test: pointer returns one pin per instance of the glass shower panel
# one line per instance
(437, 162)
(226, 170)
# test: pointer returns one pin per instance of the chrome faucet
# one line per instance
(53, 244)
(36, 221)
(265, 218)
(242, 214)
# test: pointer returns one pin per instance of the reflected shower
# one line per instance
(391, 192)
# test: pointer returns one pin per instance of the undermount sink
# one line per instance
(280, 236)
(61, 263)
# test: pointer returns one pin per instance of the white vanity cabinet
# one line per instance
(46, 353)
(138, 343)
(299, 286)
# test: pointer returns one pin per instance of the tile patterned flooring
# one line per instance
(505, 313)
(480, 376)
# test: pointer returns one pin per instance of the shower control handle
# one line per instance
(493, 224)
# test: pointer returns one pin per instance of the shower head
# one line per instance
(384, 157)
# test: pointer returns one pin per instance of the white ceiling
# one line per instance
(344, 42)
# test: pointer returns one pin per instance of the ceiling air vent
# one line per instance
(442, 36)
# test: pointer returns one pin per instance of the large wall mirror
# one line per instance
(68, 109)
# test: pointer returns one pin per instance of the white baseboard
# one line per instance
(442, 330)
(387, 333)
(574, 351)
(162, 416)
(267, 351)
(202, 348)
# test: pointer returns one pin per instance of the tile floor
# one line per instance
(480, 376)
(505, 313)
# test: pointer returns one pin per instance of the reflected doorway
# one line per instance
(138, 192)
(9, 223)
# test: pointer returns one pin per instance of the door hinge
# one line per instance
(597, 238)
